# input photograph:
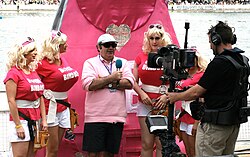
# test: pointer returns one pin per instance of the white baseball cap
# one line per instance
(106, 38)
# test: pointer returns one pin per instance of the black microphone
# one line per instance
(118, 64)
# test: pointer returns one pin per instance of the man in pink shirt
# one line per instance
(105, 78)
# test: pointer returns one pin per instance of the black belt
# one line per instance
(63, 103)
(31, 123)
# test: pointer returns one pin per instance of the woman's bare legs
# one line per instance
(22, 149)
(148, 140)
(55, 137)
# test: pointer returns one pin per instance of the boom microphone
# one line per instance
(118, 64)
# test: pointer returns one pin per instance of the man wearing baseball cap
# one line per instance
(105, 78)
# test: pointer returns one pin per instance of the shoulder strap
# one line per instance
(245, 71)
(235, 63)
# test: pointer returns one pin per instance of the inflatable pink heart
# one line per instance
(102, 13)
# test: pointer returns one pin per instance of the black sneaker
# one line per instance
(69, 135)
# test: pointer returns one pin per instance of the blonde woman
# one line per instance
(58, 77)
(24, 93)
(188, 125)
(154, 38)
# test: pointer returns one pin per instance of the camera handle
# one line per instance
(171, 106)
(163, 86)
(167, 138)
(186, 35)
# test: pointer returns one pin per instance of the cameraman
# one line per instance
(148, 93)
(216, 85)
(188, 125)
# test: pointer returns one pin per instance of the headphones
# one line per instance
(216, 38)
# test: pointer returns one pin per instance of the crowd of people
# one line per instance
(208, 2)
(176, 2)
(26, 2)
(36, 95)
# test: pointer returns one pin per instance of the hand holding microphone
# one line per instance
(118, 65)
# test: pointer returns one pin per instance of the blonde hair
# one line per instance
(18, 52)
(50, 46)
(201, 61)
(164, 41)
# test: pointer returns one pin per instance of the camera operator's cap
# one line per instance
(106, 38)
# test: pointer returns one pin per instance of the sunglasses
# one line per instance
(107, 45)
(155, 25)
(55, 34)
(154, 38)
(30, 40)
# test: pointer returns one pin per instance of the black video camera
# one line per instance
(175, 61)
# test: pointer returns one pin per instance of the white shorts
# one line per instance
(12, 131)
(143, 110)
(62, 119)
(186, 128)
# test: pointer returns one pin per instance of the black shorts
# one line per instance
(98, 137)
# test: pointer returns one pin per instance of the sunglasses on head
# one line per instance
(30, 40)
(154, 38)
(56, 34)
(155, 25)
(107, 45)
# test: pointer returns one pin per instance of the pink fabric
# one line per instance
(27, 84)
(96, 101)
(190, 81)
(29, 87)
(148, 76)
(101, 13)
(83, 35)
(82, 38)
(187, 118)
(57, 78)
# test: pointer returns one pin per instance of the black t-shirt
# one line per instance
(219, 80)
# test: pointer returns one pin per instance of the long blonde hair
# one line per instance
(155, 29)
(18, 52)
(201, 61)
(50, 46)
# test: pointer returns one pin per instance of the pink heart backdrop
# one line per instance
(102, 13)
(85, 20)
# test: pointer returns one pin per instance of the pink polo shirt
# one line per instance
(102, 105)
